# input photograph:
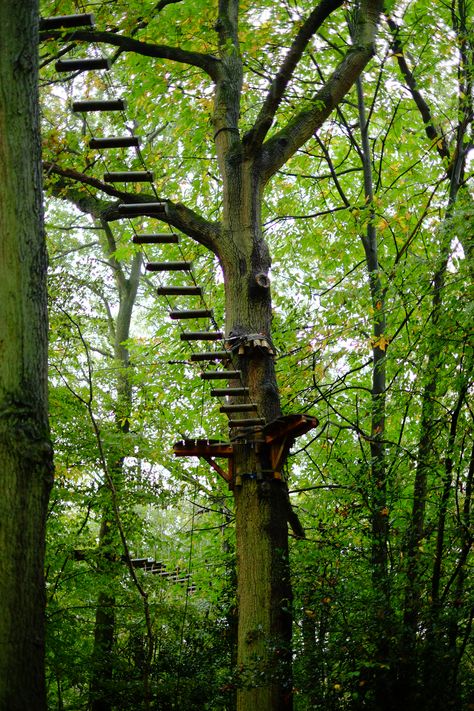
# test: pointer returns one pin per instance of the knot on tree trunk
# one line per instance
(262, 280)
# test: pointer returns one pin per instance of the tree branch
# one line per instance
(177, 215)
(255, 137)
(431, 130)
(206, 62)
(280, 147)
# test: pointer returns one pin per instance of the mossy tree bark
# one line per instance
(25, 450)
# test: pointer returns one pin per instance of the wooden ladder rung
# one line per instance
(201, 336)
(196, 313)
(169, 266)
(179, 291)
(247, 422)
(221, 375)
(242, 407)
(135, 209)
(158, 238)
(115, 142)
(129, 176)
(229, 392)
(98, 105)
(212, 355)
(60, 21)
(81, 65)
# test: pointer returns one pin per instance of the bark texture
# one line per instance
(25, 450)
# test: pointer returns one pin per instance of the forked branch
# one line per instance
(280, 147)
(255, 137)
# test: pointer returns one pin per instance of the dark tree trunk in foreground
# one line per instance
(25, 451)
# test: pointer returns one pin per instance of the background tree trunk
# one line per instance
(25, 450)
(110, 546)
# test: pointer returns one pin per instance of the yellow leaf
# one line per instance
(380, 342)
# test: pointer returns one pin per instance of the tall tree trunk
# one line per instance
(263, 588)
(110, 548)
(25, 450)
(411, 688)
(378, 465)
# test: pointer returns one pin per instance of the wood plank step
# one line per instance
(114, 142)
(158, 238)
(169, 266)
(239, 407)
(60, 21)
(247, 422)
(201, 336)
(203, 448)
(129, 176)
(140, 562)
(196, 313)
(211, 355)
(179, 291)
(221, 375)
(98, 105)
(229, 392)
(136, 209)
(82, 65)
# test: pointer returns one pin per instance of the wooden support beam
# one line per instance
(179, 291)
(131, 209)
(211, 355)
(239, 407)
(250, 422)
(208, 449)
(129, 176)
(221, 375)
(201, 336)
(157, 238)
(289, 425)
(66, 21)
(98, 105)
(115, 142)
(82, 65)
(282, 432)
(229, 392)
(227, 476)
(189, 313)
(169, 266)
(203, 448)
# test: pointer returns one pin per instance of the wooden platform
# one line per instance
(278, 438)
